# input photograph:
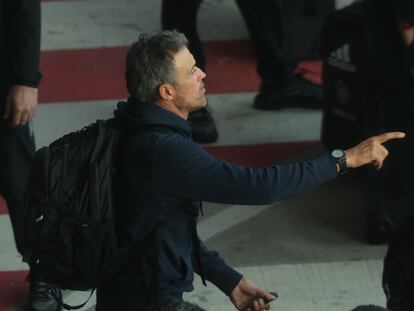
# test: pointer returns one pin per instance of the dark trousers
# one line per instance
(17, 151)
(263, 19)
(181, 15)
(264, 22)
(126, 292)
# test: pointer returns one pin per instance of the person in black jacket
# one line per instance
(19, 80)
(162, 177)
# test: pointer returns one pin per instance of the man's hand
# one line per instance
(246, 296)
(371, 150)
(20, 105)
(408, 36)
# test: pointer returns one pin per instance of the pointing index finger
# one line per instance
(390, 135)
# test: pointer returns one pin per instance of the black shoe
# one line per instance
(203, 127)
(296, 92)
(41, 297)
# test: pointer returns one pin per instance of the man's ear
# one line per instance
(166, 91)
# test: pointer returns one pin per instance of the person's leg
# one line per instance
(182, 16)
(280, 88)
(170, 302)
(126, 292)
(263, 19)
(17, 151)
(17, 145)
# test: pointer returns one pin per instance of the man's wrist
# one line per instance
(340, 158)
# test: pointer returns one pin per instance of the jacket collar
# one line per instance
(147, 113)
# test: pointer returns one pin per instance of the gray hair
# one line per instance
(149, 63)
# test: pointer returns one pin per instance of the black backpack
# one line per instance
(69, 216)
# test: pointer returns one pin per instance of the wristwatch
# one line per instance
(340, 159)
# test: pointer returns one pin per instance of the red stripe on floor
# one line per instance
(260, 155)
(13, 288)
(311, 70)
(230, 67)
(97, 74)
(3, 206)
(86, 74)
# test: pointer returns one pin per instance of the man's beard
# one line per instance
(202, 104)
(204, 100)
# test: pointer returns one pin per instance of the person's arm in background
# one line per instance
(407, 32)
(25, 35)
(405, 19)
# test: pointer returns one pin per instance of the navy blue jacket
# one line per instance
(160, 171)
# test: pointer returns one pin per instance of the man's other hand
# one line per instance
(246, 296)
(371, 150)
(408, 36)
(21, 105)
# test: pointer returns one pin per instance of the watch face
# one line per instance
(337, 153)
